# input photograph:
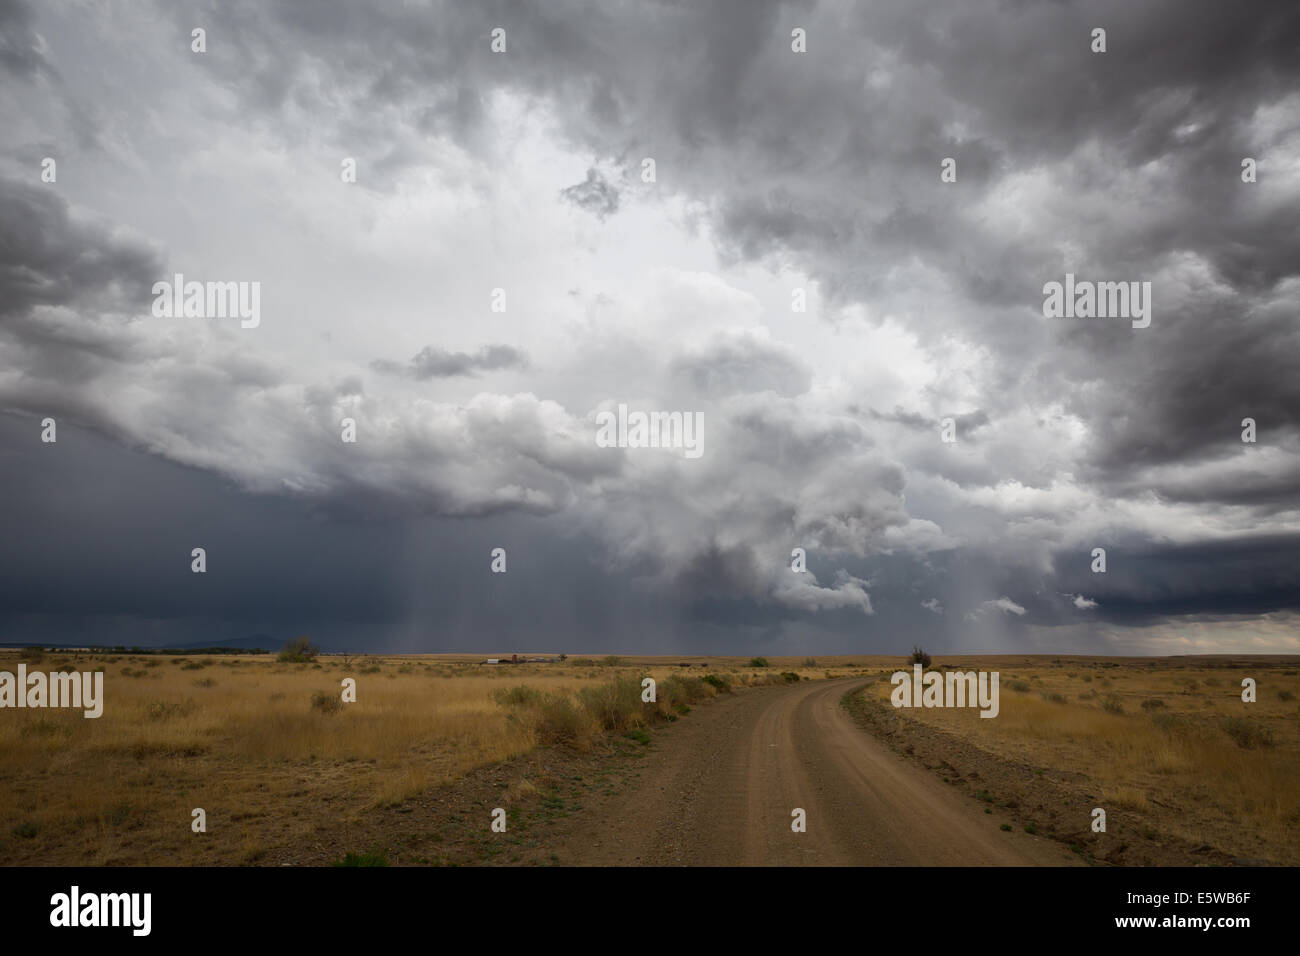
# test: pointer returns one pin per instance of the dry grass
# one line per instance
(1203, 762)
(243, 739)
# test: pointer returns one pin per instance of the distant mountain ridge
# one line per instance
(256, 642)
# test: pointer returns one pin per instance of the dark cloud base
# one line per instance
(101, 555)
(824, 164)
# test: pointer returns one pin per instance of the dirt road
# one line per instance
(720, 787)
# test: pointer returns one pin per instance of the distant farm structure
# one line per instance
(516, 659)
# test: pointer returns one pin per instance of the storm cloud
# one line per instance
(663, 207)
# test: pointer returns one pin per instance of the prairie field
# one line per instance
(276, 760)
(1166, 743)
(268, 751)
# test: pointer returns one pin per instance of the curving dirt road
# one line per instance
(719, 790)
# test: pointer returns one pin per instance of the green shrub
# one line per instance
(326, 702)
(613, 706)
(520, 695)
(616, 704)
(1173, 723)
(919, 656)
(678, 689)
(1112, 705)
(299, 651)
(758, 662)
(790, 677)
(1247, 734)
(166, 710)
(1152, 703)
(676, 692)
(119, 814)
(556, 719)
(717, 683)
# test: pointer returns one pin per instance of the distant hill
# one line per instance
(256, 642)
(263, 641)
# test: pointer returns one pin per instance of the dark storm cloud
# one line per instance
(1180, 395)
(1147, 581)
(595, 195)
(49, 259)
(20, 53)
(282, 568)
(1269, 487)
(107, 534)
(1119, 166)
(68, 287)
(728, 92)
(846, 181)
(75, 297)
(721, 573)
(742, 363)
(1225, 61)
(431, 362)
(912, 420)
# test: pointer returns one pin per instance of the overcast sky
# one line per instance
(775, 171)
